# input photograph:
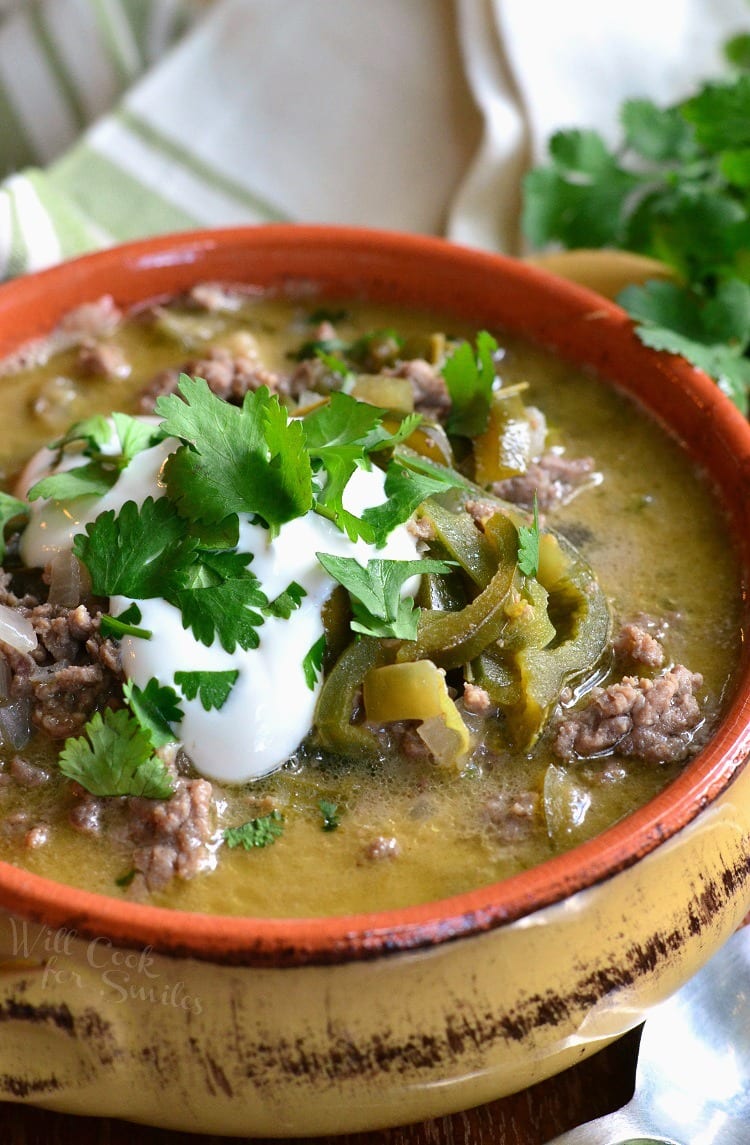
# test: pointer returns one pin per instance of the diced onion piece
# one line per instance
(16, 630)
(68, 580)
(15, 724)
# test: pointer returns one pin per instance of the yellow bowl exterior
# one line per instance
(91, 1028)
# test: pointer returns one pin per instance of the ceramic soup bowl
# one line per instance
(251, 1026)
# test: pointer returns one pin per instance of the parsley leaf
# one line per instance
(470, 377)
(237, 460)
(213, 688)
(312, 664)
(115, 757)
(287, 601)
(155, 707)
(528, 545)
(260, 832)
(330, 813)
(377, 604)
(11, 509)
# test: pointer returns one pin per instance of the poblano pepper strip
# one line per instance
(339, 696)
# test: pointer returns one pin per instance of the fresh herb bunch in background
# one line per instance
(678, 190)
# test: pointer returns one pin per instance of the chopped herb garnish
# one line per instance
(156, 707)
(378, 606)
(235, 460)
(212, 688)
(143, 552)
(470, 378)
(93, 479)
(126, 879)
(312, 664)
(287, 601)
(528, 545)
(126, 624)
(406, 488)
(260, 832)
(340, 436)
(325, 314)
(330, 813)
(115, 756)
(11, 509)
(96, 476)
(316, 346)
(228, 611)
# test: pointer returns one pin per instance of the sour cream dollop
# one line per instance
(270, 708)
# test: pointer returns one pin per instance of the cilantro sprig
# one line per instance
(249, 459)
(143, 552)
(377, 604)
(470, 377)
(110, 449)
(115, 756)
(677, 188)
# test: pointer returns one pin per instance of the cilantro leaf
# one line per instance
(528, 545)
(137, 552)
(330, 813)
(237, 460)
(720, 114)
(726, 364)
(406, 487)
(737, 50)
(92, 479)
(580, 197)
(656, 133)
(287, 601)
(126, 624)
(134, 436)
(11, 509)
(115, 757)
(470, 378)
(155, 707)
(340, 436)
(260, 832)
(312, 664)
(225, 611)
(378, 607)
(94, 432)
(213, 688)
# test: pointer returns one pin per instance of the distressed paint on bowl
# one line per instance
(283, 1027)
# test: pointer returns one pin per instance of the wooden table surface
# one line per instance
(591, 1088)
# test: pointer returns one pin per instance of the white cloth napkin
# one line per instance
(121, 118)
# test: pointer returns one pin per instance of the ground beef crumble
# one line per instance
(171, 836)
(636, 644)
(229, 375)
(653, 720)
(72, 670)
(553, 477)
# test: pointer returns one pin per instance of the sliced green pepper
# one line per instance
(339, 695)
